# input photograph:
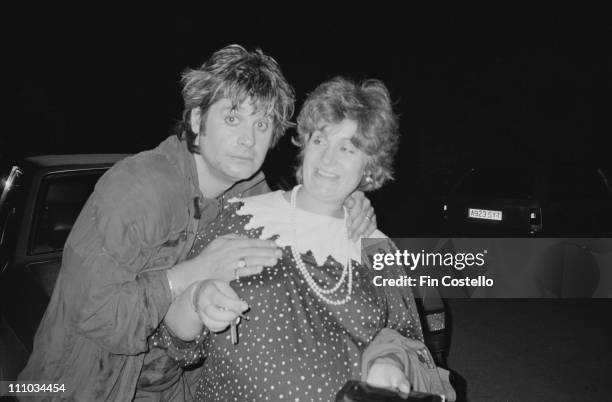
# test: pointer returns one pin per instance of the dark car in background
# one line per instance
(40, 199)
(543, 200)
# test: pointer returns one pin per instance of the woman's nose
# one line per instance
(328, 155)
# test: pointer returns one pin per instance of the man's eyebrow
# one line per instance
(238, 109)
(266, 117)
(230, 108)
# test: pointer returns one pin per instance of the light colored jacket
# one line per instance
(112, 291)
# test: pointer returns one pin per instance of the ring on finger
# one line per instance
(242, 263)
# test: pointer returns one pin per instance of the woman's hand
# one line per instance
(386, 373)
(361, 219)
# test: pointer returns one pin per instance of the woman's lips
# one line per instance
(326, 174)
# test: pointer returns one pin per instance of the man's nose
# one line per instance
(247, 136)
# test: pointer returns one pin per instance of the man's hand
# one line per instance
(212, 303)
(386, 373)
(217, 304)
(225, 258)
(361, 218)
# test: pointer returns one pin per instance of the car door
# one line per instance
(11, 203)
(55, 200)
(13, 352)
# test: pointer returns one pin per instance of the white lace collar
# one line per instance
(320, 234)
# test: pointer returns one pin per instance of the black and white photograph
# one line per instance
(343, 203)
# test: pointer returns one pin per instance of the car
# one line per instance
(540, 200)
(40, 200)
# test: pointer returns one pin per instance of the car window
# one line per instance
(4, 173)
(576, 183)
(60, 201)
(497, 183)
(10, 177)
(11, 200)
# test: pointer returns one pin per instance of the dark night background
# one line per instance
(510, 85)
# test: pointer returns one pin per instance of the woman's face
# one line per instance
(333, 166)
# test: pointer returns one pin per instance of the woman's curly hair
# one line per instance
(368, 104)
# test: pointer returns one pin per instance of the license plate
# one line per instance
(485, 214)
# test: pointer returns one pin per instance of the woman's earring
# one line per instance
(368, 178)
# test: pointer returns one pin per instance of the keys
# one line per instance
(234, 332)
(234, 329)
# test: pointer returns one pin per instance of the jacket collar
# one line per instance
(186, 162)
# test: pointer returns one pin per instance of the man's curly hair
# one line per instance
(237, 74)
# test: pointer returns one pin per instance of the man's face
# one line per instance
(233, 141)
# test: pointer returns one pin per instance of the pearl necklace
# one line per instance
(347, 270)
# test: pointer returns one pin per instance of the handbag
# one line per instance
(361, 391)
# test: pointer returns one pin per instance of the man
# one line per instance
(124, 260)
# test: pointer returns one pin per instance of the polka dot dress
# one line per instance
(294, 347)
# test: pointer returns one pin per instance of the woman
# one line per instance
(313, 314)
